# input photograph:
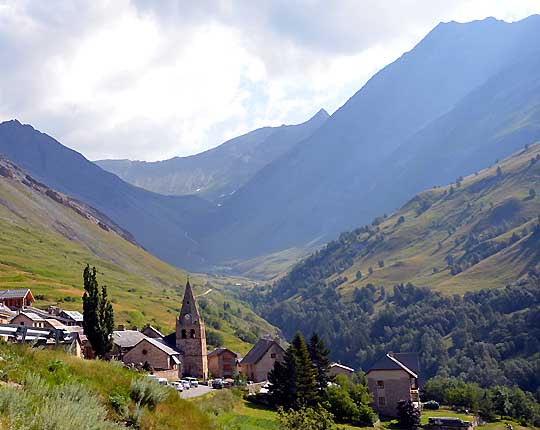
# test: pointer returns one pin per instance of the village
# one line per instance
(181, 358)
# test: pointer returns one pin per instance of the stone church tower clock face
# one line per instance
(191, 337)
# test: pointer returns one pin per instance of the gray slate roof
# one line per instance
(258, 351)
(407, 361)
(127, 338)
(13, 294)
(74, 315)
(160, 345)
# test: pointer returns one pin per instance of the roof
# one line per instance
(154, 330)
(407, 361)
(74, 315)
(160, 345)
(15, 294)
(341, 366)
(31, 315)
(55, 323)
(258, 351)
(170, 340)
(4, 310)
(219, 351)
(127, 338)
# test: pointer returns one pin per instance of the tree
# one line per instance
(318, 353)
(408, 415)
(501, 402)
(306, 389)
(499, 171)
(306, 419)
(532, 193)
(98, 314)
(358, 275)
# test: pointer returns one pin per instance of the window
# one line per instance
(144, 351)
(184, 334)
(273, 355)
(382, 401)
(22, 322)
(192, 333)
(380, 384)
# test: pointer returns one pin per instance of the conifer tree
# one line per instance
(318, 352)
(306, 389)
(98, 314)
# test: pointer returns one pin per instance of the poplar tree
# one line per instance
(98, 322)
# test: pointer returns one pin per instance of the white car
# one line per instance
(163, 381)
(186, 384)
(178, 386)
(193, 381)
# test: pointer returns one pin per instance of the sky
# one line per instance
(149, 80)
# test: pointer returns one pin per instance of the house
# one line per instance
(259, 361)
(222, 363)
(53, 323)
(72, 317)
(6, 314)
(391, 379)
(155, 353)
(124, 341)
(29, 319)
(152, 332)
(339, 369)
(17, 299)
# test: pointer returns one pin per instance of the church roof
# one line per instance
(127, 338)
(407, 361)
(160, 345)
(258, 351)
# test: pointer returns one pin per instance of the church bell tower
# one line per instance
(191, 337)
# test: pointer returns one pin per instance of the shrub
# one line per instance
(306, 419)
(146, 392)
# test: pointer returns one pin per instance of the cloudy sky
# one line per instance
(150, 80)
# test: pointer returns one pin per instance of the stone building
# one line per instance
(259, 361)
(222, 363)
(29, 319)
(391, 379)
(340, 369)
(155, 353)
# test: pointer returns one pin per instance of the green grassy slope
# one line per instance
(44, 245)
(49, 389)
(469, 235)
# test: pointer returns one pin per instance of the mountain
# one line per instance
(464, 96)
(46, 239)
(454, 274)
(164, 225)
(218, 172)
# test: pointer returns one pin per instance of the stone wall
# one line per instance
(397, 386)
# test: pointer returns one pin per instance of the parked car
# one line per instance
(178, 386)
(432, 404)
(186, 384)
(163, 381)
(218, 384)
(194, 382)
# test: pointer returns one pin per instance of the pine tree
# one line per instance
(408, 415)
(98, 314)
(318, 353)
(306, 389)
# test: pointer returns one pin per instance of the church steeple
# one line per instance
(189, 305)
(191, 337)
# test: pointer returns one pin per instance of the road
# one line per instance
(195, 392)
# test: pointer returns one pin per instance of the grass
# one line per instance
(45, 246)
(24, 370)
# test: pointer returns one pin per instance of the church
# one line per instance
(182, 352)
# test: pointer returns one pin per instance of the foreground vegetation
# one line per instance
(44, 389)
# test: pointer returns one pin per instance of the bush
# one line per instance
(432, 405)
(306, 419)
(146, 392)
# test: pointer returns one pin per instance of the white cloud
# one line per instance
(150, 80)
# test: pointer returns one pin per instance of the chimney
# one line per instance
(390, 354)
(134, 328)
(121, 327)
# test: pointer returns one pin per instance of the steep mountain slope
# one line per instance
(220, 171)
(46, 238)
(163, 225)
(454, 88)
(480, 232)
